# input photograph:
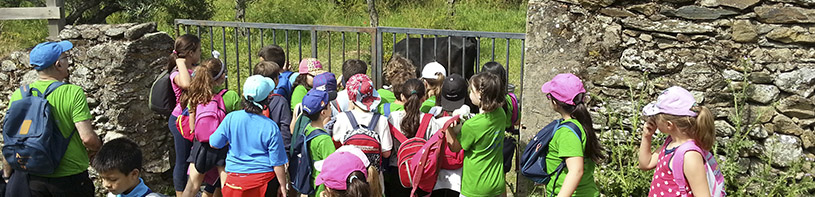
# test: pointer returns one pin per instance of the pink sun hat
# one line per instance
(674, 101)
(564, 87)
(337, 167)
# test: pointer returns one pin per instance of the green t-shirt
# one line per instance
(566, 144)
(386, 95)
(482, 138)
(297, 96)
(319, 148)
(394, 107)
(68, 105)
(427, 104)
(232, 101)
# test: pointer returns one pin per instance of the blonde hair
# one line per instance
(701, 128)
(434, 85)
(200, 90)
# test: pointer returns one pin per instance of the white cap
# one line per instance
(429, 71)
(351, 149)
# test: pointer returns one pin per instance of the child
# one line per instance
(274, 53)
(433, 75)
(350, 68)
(676, 113)
(398, 70)
(481, 138)
(568, 98)
(315, 107)
(202, 157)
(452, 101)
(185, 56)
(309, 68)
(119, 164)
(277, 109)
(513, 114)
(365, 99)
(343, 174)
(256, 153)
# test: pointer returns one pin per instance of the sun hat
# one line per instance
(362, 92)
(328, 83)
(315, 101)
(453, 92)
(310, 66)
(336, 168)
(47, 54)
(350, 149)
(258, 88)
(564, 87)
(674, 101)
(429, 71)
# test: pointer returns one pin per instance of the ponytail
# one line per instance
(374, 189)
(202, 83)
(594, 150)
(413, 90)
(357, 186)
(434, 85)
(706, 134)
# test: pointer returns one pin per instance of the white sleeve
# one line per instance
(341, 126)
(385, 137)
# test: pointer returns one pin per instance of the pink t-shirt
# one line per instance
(177, 90)
(663, 183)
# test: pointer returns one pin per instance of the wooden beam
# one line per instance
(27, 13)
(56, 25)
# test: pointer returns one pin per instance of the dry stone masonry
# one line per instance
(715, 48)
(115, 65)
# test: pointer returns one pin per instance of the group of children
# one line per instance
(253, 149)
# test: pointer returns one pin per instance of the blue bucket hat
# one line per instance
(46, 54)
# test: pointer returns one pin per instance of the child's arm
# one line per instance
(452, 137)
(282, 178)
(647, 159)
(183, 78)
(575, 166)
(694, 166)
(218, 138)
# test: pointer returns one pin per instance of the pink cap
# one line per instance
(674, 101)
(309, 65)
(336, 169)
(564, 87)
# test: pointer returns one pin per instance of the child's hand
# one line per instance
(648, 130)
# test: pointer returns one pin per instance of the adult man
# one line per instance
(70, 109)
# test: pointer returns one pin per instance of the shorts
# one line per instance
(205, 157)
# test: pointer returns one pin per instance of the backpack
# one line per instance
(33, 141)
(715, 179)
(162, 98)
(301, 177)
(365, 138)
(424, 166)
(534, 155)
(408, 148)
(207, 118)
(515, 108)
(267, 109)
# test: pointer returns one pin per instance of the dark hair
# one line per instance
(413, 90)
(118, 154)
(315, 116)
(352, 67)
(497, 69)
(268, 69)
(250, 106)
(356, 187)
(200, 90)
(489, 85)
(274, 54)
(184, 46)
(399, 70)
(302, 79)
(594, 150)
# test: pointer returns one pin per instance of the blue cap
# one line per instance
(328, 83)
(46, 54)
(315, 101)
(258, 87)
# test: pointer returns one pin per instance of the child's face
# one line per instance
(475, 96)
(117, 182)
(310, 80)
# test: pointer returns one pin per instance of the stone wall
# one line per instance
(711, 47)
(115, 65)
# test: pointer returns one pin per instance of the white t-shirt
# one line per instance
(343, 101)
(447, 179)
(395, 119)
(343, 126)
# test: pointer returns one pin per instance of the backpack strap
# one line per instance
(423, 125)
(387, 110)
(353, 120)
(577, 132)
(25, 91)
(219, 98)
(374, 120)
(336, 105)
(51, 87)
(679, 161)
(314, 134)
(397, 134)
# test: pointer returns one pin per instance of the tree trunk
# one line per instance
(373, 14)
(240, 10)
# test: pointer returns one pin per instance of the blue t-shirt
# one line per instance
(284, 86)
(255, 143)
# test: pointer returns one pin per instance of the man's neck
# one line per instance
(46, 77)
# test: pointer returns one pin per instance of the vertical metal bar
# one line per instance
(492, 59)
(223, 38)
(507, 64)
(329, 51)
(186, 29)
(274, 36)
(288, 52)
(477, 54)
(464, 49)
(177, 30)
(300, 45)
(237, 60)
(261, 38)
(523, 47)
(359, 55)
(314, 43)
(450, 53)
(421, 48)
(249, 46)
(394, 43)
(374, 58)
(343, 47)
(435, 49)
(198, 31)
(377, 65)
(211, 41)
(407, 46)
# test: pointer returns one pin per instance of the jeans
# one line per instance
(182, 151)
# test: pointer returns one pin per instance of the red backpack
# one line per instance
(408, 148)
(205, 121)
(365, 138)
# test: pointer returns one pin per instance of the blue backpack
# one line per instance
(33, 142)
(534, 155)
(301, 177)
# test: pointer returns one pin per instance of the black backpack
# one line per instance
(162, 98)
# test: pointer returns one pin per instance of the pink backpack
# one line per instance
(425, 165)
(206, 119)
(715, 179)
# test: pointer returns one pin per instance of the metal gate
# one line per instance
(370, 44)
